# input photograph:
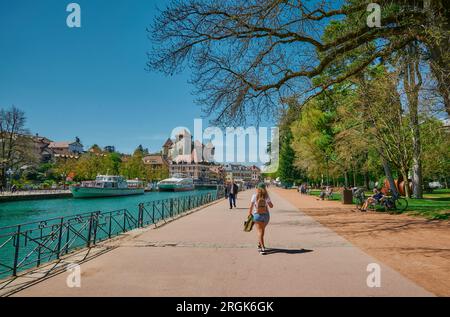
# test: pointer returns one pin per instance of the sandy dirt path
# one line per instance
(416, 247)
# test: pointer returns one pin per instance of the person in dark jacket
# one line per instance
(227, 191)
(232, 190)
(374, 199)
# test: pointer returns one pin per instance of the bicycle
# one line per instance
(391, 204)
(359, 197)
(394, 203)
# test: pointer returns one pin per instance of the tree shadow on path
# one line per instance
(287, 251)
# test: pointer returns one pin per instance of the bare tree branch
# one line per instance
(245, 54)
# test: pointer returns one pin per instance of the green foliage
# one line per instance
(134, 167)
(346, 132)
(287, 172)
(435, 149)
(115, 161)
(313, 140)
(90, 164)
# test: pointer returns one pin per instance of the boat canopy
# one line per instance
(108, 178)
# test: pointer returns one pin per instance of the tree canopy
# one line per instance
(247, 56)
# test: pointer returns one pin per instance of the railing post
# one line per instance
(153, 212)
(67, 237)
(39, 249)
(95, 224)
(110, 225)
(59, 238)
(141, 216)
(16, 254)
(124, 221)
(88, 244)
(171, 208)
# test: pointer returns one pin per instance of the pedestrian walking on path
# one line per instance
(259, 209)
(232, 190)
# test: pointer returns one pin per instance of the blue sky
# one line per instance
(89, 82)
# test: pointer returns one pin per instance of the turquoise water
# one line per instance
(15, 213)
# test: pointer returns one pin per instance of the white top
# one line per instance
(255, 208)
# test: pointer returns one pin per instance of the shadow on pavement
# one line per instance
(287, 251)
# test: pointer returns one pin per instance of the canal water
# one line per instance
(14, 213)
(35, 211)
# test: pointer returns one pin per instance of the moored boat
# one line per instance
(176, 183)
(107, 186)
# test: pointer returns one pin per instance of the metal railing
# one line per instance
(29, 245)
(150, 212)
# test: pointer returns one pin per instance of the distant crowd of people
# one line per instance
(12, 189)
(304, 189)
(326, 192)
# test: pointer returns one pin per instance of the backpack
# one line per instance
(261, 205)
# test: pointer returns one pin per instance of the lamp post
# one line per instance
(9, 174)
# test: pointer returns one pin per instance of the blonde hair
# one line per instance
(261, 194)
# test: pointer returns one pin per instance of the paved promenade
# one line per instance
(208, 254)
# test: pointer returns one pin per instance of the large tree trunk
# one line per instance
(346, 179)
(366, 180)
(388, 173)
(417, 179)
(413, 83)
(406, 183)
(3, 180)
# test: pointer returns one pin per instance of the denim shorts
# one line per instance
(264, 217)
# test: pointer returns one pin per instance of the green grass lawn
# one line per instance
(433, 206)
(316, 192)
(443, 194)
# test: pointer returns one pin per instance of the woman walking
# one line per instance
(259, 209)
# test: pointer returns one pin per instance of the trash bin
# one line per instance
(347, 197)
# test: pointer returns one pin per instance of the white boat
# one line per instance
(177, 182)
(107, 186)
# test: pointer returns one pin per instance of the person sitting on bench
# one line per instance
(374, 199)
(326, 193)
(329, 193)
